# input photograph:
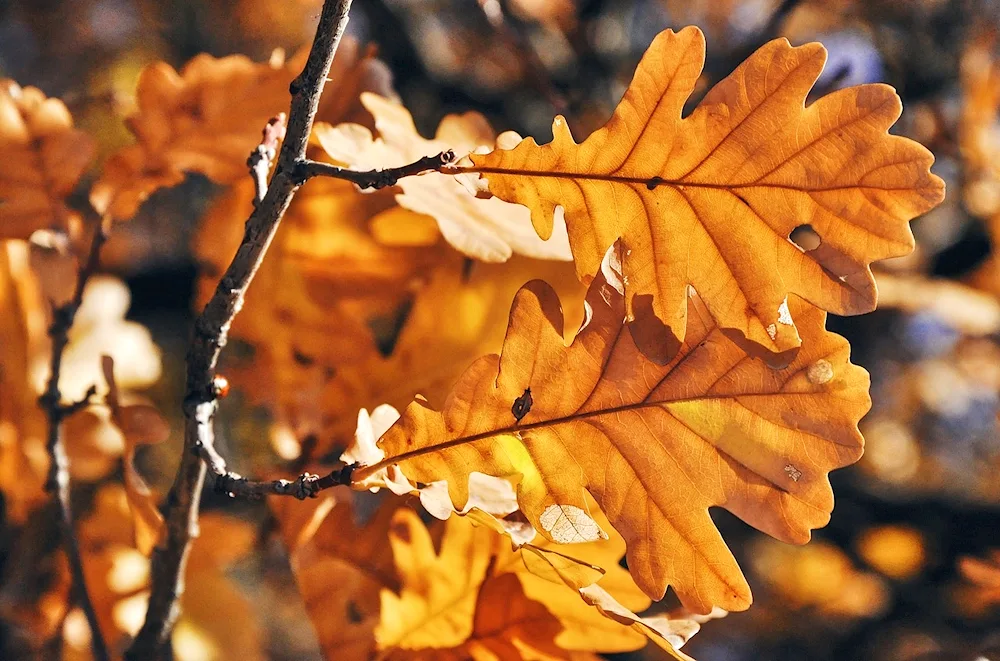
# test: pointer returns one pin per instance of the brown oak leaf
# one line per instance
(711, 200)
(657, 446)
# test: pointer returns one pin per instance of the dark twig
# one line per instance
(262, 157)
(56, 411)
(306, 169)
(306, 485)
(210, 335)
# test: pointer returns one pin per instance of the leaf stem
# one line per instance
(377, 179)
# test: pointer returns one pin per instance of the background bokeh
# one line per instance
(883, 581)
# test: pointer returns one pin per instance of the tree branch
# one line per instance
(210, 334)
(306, 485)
(58, 482)
(377, 179)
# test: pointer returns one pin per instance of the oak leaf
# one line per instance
(436, 604)
(486, 229)
(44, 157)
(711, 200)
(208, 117)
(657, 446)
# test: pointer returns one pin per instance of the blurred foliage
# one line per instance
(906, 570)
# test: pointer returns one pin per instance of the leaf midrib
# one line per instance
(655, 182)
(553, 422)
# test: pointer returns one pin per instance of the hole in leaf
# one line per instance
(805, 238)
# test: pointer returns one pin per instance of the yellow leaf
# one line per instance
(486, 229)
(657, 446)
(436, 606)
(710, 200)
(507, 627)
(44, 157)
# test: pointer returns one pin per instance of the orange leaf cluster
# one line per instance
(44, 157)
(458, 591)
(208, 117)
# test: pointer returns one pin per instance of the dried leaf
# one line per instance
(711, 200)
(486, 229)
(44, 157)
(657, 446)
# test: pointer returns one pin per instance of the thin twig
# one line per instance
(306, 485)
(210, 335)
(377, 179)
(56, 411)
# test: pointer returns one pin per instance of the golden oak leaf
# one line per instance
(208, 117)
(456, 316)
(487, 229)
(598, 610)
(44, 157)
(436, 604)
(710, 200)
(657, 446)
(316, 361)
(507, 627)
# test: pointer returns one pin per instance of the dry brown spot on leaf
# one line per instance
(710, 200)
(487, 229)
(209, 116)
(657, 446)
(44, 157)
